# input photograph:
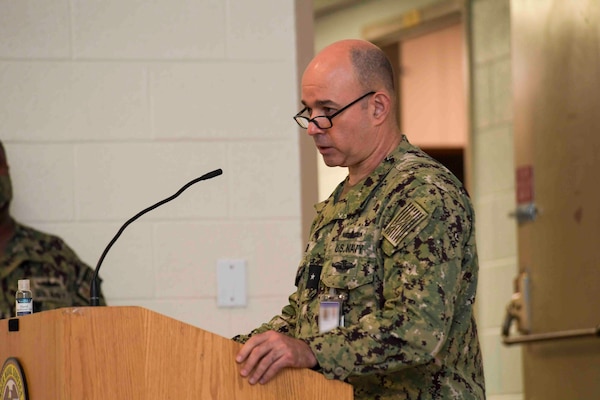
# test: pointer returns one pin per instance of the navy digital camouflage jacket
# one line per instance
(400, 246)
(58, 278)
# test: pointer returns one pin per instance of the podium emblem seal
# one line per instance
(12, 381)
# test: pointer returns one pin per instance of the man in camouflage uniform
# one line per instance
(394, 244)
(58, 278)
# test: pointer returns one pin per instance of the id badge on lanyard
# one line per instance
(331, 311)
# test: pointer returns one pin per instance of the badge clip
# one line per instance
(330, 311)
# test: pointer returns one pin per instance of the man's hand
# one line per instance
(265, 354)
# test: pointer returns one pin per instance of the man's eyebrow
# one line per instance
(322, 103)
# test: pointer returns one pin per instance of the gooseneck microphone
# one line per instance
(94, 295)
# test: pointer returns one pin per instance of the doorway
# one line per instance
(429, 54)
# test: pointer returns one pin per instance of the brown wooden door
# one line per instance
(556, 78)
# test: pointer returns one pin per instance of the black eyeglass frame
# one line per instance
(300, 119)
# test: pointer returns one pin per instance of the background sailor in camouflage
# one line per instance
(57, 276)
(396, 240)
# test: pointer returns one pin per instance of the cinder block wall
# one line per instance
(494, 192)
(110, 106)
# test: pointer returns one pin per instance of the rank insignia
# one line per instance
(314, 276)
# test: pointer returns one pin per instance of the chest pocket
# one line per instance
(351, 264)
(348, 273)
(351, 275)
(354, 278)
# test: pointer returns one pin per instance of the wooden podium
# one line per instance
(133, 353)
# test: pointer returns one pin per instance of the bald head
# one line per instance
(353, 82)
(363, 62)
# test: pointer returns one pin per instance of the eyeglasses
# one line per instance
(324, 121)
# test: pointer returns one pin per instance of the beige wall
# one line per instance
(493, 176)
(110, 106)
(492, 169)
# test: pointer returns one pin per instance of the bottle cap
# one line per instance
(23, 284)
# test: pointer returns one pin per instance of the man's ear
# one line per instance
(381, 107)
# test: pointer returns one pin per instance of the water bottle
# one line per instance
(24, 298)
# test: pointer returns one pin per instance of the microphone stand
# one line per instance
(94, 290)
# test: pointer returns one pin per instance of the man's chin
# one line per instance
(328, 156)
(330, 162)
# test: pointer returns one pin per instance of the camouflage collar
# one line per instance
(358, 195)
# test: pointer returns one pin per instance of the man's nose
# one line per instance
(313, 129)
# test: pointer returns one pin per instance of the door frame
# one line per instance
(420, 21)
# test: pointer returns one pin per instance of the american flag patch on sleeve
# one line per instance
(409, 216)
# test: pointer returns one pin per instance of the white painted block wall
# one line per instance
(107, 107)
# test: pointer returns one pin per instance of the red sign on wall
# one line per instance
(525, 193)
